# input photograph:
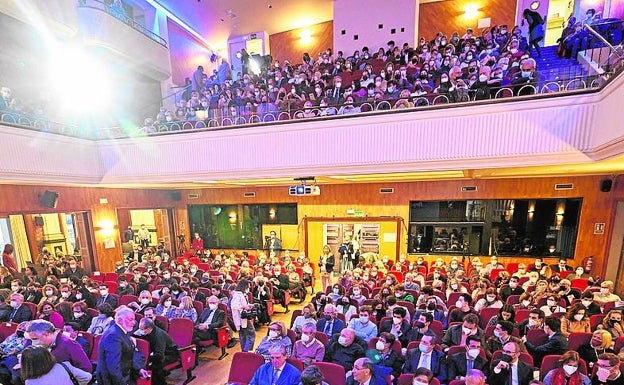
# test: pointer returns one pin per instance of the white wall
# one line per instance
(362, 18)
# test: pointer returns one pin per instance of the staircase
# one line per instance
(552, 68)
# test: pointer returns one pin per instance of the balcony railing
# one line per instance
(120, 15)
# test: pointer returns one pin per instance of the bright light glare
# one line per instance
(472, 10)
(80, 82)
(254, 66)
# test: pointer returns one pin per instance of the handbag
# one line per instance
(73, 378)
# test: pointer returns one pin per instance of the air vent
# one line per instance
(249, 194)
(564, 186)
(469, 188)
(386, 190)
(192, 196)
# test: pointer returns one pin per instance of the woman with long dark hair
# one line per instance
(536, 29)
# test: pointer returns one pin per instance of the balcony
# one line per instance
(117, 34)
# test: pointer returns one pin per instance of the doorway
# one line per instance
(559, 12)
(157, 222)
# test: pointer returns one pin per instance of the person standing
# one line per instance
(198, 244)
(273, 244)
(116, 352)
(144, 237)
(326, 265)
(128, 234)
(536, 29)
(244, 326)
(7, 258)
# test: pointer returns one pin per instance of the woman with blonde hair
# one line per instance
(600, 343)
(50, 295)
(613, 323)
(575, 320)
(186, 309)
(308, 314)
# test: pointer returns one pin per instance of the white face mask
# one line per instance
(473, 353)
(305, 338)
(570, 370)
(145, 301)
(604, 290)
(342, 341)
(491, 298)
(77, 315)
(454, 286)
(466, 331)
(417, 382)
(551, 303)
(213, 306)
(364, 319)
(168, 304)
(578, 317)
(513, 285)
(586, 303)
(532, 322)
(273, 334)
(459, 304)
(380, 345)
(49, 293)
(526, 303)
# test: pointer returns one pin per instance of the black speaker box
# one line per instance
(39, 221)
(49, 199)
(175, 196)
(605, 185)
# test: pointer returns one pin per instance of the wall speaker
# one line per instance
(175, 196)
(39, 221)
(49, 199)
(605, 185)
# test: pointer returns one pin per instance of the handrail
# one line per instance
(605, 41)
(124, 18)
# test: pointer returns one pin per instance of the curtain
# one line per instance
(20, 241)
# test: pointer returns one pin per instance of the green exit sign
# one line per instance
(358, 214)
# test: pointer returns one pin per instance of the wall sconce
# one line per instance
(305, 37)
(106, 227)
(272, 213)
(531, 210)
(232, 217)
(471, 11)
(558, 220)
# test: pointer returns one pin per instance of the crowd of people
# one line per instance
(379, 318)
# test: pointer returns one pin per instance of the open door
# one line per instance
(559, 11)
(83, 241)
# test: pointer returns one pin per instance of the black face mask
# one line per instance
(431, 306)
(506, 358)
(420, 325)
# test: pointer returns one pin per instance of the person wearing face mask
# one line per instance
(428, 357)
(362, 325)
(606, 294)
(463, 308)
(123, 287)
(608, 372)
(16, 312)
(600, 342)
(567, 371)
(277, 336)
(490, 300)
(398, 325)
(344, 306)
(356, 294)
(613, 323)
(481, 87)
(460, 363)
(163, 350)
(502, 334)
(81, 320)
(421, 326)
(587, 299)
(211, 319)
(308, 349)
(345, 349)
(165, 307)
(329, 324)
(552, 305)
(556, 344)
(575, 320)
(509, 369)
(512, 288)
(386, 357)
(457, 334)
(167, 279)
(527, 75)
(10, 348)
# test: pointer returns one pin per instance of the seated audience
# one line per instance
(575, 320)
(277, 371)
(362, 325)
(308, 349)
(277, 335)
(461, 363)
(509, 369)
(344, 351)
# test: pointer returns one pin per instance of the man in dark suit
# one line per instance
(460, 363)
(509, 370)
(535, 321)
(281, 283)
(387, 357)
(74, 270)
(163, 351)
(329, 324)
(273, 244)
(363, 373)
(398, 326)
(278, 371)
(426, 356)
(20, 312)
(502, 335)
(105, 297)
(421, 326)
(195, 294)
(116, 352)
(335, 93)
(561, 266)
(209, 321)
(512, 289)
(556, 344)
(457, 335)
(345, 351)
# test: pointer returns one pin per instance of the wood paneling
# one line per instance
(290, 46)
(449, 16)
(335, 200)
(24, 200)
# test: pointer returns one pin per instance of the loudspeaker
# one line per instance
(39, 221)
(605, 185)
(49, 199)
(175, 196)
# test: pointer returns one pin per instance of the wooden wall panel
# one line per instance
(290, 46)
(335, 200)
(24, 200)
(449, 16)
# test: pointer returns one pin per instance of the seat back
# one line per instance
(181, 331)
(296, 363)
(537, 336)
(94, 350)
(6, 329)
(88, 338)
(322, 337)
(128, 298)
(596, 320)
(576, 340)
(485, 314)
(244, 365)
(143, 347)
(333, 374)
(32, 307)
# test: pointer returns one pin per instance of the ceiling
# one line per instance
(217, 20)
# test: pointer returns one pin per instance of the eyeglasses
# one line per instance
(508, 352)
(274, 329)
